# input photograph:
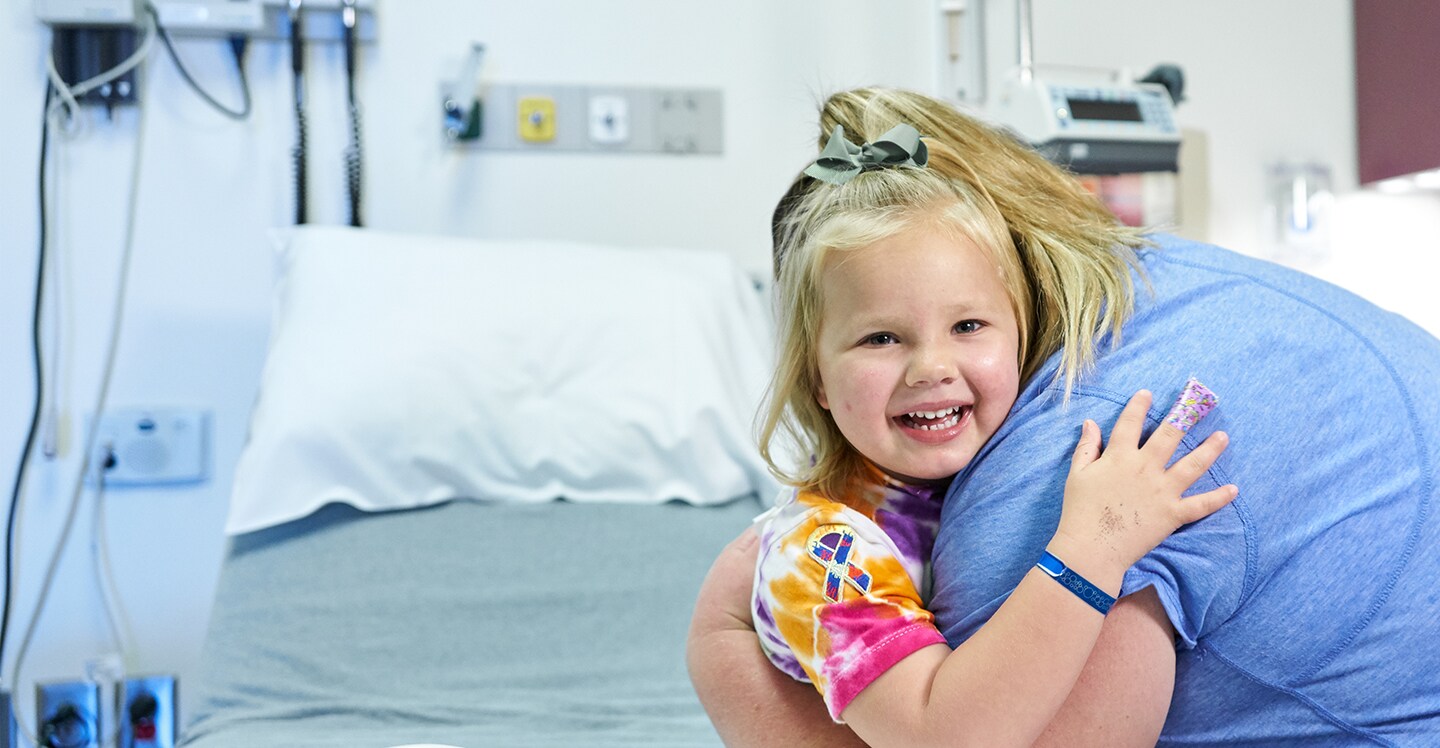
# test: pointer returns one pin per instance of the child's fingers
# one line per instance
(1163, 442)
(1202, 505)
(1189, 468)
(1087, 450)
(1132, 420)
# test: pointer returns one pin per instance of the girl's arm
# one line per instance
(749, 700)
(1005, 684)
(1123, 695)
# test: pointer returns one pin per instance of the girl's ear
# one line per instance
(820, 396)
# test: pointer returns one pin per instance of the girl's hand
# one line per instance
(1120, 505)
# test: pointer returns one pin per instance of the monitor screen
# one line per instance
(1121, 111)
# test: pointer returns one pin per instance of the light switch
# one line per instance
(609, 119)
(537, 119)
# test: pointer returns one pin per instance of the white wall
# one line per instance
(199, 297)
(196, 319)
(1262, 84)
(1265, 84)
(1387, 249)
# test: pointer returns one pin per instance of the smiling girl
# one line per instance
(902, 338)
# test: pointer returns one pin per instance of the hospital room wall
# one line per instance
(210, 189)
(1266, 84)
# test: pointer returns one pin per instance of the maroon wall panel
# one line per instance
(1397, 86)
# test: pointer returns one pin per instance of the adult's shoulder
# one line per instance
(1199, 303)
(1172, 260)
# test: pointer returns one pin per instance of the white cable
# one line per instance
(110, 679)
(68, 92)
(104, 572)
(108, 675)
(117, 318)
(50, 433)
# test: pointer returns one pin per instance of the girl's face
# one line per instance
(918, 351)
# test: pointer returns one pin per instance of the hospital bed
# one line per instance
(482, 484)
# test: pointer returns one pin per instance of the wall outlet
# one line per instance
(153, 446)
(147, 712)
(689, 121)
(609, 119)
(68, 714)
(536, 120)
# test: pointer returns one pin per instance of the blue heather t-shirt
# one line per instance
(1308, 611)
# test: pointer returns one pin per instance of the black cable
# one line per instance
(297, 68)
(353, 163)
(39, 382)
(353, 166)
(237, 45)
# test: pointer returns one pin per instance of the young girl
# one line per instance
(904, 338)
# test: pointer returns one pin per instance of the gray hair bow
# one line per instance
(841, 160)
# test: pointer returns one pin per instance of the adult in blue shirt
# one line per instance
(1303, 614)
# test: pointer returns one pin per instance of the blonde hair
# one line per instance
(822, 226)
(1062, 256)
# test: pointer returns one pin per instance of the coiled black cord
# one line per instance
(297, 155)
(353, 166)
(353, 162)
(297, 67)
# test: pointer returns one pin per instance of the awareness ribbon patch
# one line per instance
(830, 546)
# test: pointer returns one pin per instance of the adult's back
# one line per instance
(1305, 612)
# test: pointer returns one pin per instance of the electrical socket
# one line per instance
(153, 446)
(610, 119)
(68, 714)
(147, 712)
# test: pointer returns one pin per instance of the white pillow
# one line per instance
(405, 371)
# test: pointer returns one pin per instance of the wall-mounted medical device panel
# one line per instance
(322, 20)
(613, 119)
(260, 19)
(81, 53)
(88, 12)
(1109, 128)
(212, 17)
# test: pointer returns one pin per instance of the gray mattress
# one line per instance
(469, 623)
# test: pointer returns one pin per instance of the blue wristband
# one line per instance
(1077, 584)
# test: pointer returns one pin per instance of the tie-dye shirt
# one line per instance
(840, 588)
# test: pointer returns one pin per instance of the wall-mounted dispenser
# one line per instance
(462, 106)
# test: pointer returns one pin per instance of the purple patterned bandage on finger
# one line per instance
(1195, 401)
